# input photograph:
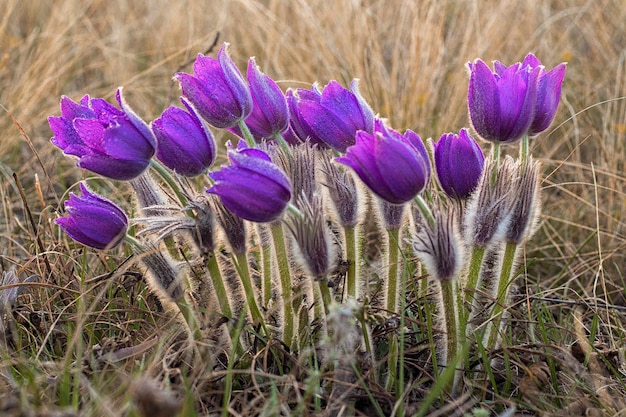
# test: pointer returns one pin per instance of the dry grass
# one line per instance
(410, 57)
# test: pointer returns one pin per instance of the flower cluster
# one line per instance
(312, 159)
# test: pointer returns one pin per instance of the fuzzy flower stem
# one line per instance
(167, 177)
(448, 299)
(218, 285)
(523, 154)
(241, 263)
(266, 259)
(280, 249)
(247, 135)
(503, 284)
(283, 143)
(495, 155)
(351, 256)
(471, 283)
(326, 295)
(392, 264)
(424, 209)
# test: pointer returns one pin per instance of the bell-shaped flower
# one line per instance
(252, 186)
(108, 141)
(548, 93)
(270, 115)
(331, 116)
(93, 220)
(217, 89)
(459, 163)
(502, 103)
(392, 165)
(185, 143)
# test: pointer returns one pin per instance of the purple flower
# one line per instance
(217, 89)
(548, 93)
(459, 163)
(108, 141)
(332, 116)
(185, 143)
(502, 103)
(394, 166)
(93, 220)
(270, 115)
(252, 187)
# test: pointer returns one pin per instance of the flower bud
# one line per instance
(108, 141)
(217, 90)
(332, 116)
(185, 143)
(93, 220)
(459, 163)
(252, 187)
(393, 166)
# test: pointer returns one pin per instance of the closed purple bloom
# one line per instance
(548, 93)
(185, 143)
(502, 103)
(108, 141)
(393, 166)
(270, 115)
(93, 220)
(332, 116)
(217, 89)
(459, 163)
(252, 186)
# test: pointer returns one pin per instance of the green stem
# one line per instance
(448, 303)
(327, 298)
(241, 264)
(392, 265)
(524, 149)
(502, 290)
(283, 143)
(247, 135)
(473, 274)
(218, 285)
(282, 259)
(167, 177)
(424, 209)
(495, 154)
(351, 256)
(266, 257)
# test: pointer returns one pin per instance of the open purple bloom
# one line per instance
(185, 143)
(93, 220)
(252, 186)
(270, 115)
(548, 93)
(502, 103)
(459, 163)
(217, 89)
(108, 141)
(332, 116)
(393, 166)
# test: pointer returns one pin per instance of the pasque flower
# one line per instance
(459, 163)
(392, 165)
(269, 116)
(93, 220)
(252, 186)
(502, 104)
(548, 93)
(108, 141)
(331, 116)
(217, 89)
(185, 143)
